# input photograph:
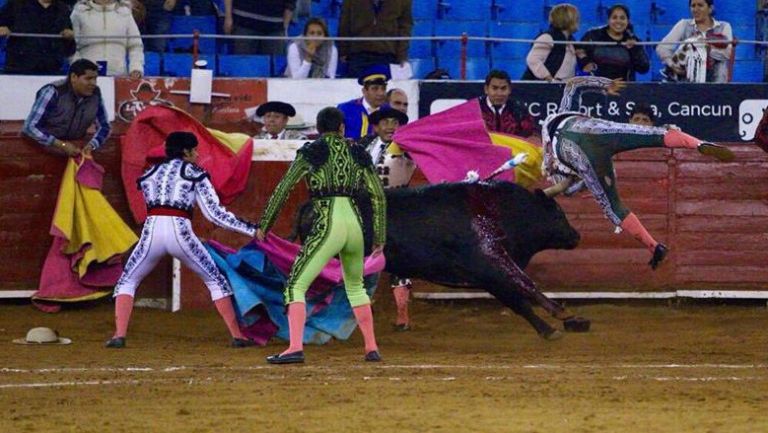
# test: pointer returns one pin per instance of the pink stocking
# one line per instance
(401, 294)
(634, 227)
(297, 317)
(123, 309)
(364, 318)
(227, 312)
(675, 138)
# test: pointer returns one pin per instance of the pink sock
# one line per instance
(123, 309)
(401, 294)
(297, 317)
(364, 318)
(634, 227)
(227, 312)
(675, 138)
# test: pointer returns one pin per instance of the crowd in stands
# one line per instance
(556, 53)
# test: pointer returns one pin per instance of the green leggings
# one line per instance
(336, 230)
(587, 145)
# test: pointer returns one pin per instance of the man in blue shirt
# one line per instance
(65, 109)
(356, 112)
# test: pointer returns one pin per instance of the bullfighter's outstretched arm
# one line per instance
(296, 171)
(379, 202)
(577, 86)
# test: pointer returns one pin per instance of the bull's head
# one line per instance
(556, 231)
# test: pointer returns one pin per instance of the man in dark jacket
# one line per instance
(36, 56)
(500, 113)
(258, 18)
(65, 109)
(374, 18)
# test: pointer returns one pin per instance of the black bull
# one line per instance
(473, 235)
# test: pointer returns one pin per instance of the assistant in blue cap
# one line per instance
(356, 112)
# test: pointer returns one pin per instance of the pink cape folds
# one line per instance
(226, 157)
(84, 261)
(282, 254)
(450, 143)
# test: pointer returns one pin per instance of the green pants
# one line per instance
(336, 230)
(587, 145)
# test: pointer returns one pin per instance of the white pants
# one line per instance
(164, 235)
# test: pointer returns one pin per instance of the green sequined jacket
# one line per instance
(332, 167)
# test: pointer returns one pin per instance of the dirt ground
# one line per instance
(466, 367)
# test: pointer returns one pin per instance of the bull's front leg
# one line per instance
(490, 237)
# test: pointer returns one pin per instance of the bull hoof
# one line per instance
(576, 324)
(552, 336)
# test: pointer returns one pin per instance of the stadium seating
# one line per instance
(183, 24)
(279, 63)
(512, 50)
(668, 12)
(456, 28)
(180, 64)
(244, 66)
(476, 10)
(152, 64)
(424, 9)
(518, 11)
(326, 8)
(477, 67)
(746, 71)
(421, 49)
(422, 67)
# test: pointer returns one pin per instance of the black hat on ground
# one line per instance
(276, 107)
(387, 112)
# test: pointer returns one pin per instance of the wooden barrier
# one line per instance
(713, 215)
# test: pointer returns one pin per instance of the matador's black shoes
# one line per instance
(239, 343)
(720, 152)
(373, 356)
(659, 253)
(116, 343)
(288, 358)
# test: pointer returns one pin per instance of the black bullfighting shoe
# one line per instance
(401, 327)
(720, 152)
(373, 356)
(116, 343)
(659, 253)
(239, 343)
(288, 358)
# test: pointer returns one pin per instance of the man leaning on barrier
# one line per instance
(65, 109)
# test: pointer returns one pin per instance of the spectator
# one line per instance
(622, 60)
(159, 15)
(499, 112)
(258, 18)
(547, 60)
(65, 109)
(356, 121)
(109, 17)
(36, 56)
(374, 18)
(398, 99)
(195, 7)
(275, 115)
(312, 58)
(702, 26)
(642, 114)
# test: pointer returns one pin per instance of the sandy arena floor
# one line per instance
(466, 367)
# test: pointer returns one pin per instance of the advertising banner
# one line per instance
(717, 112)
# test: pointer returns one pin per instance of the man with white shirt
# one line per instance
(395, 169)
(499, 112)
(357, 111)
(275, 116)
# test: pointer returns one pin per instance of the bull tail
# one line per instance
(302, 222)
